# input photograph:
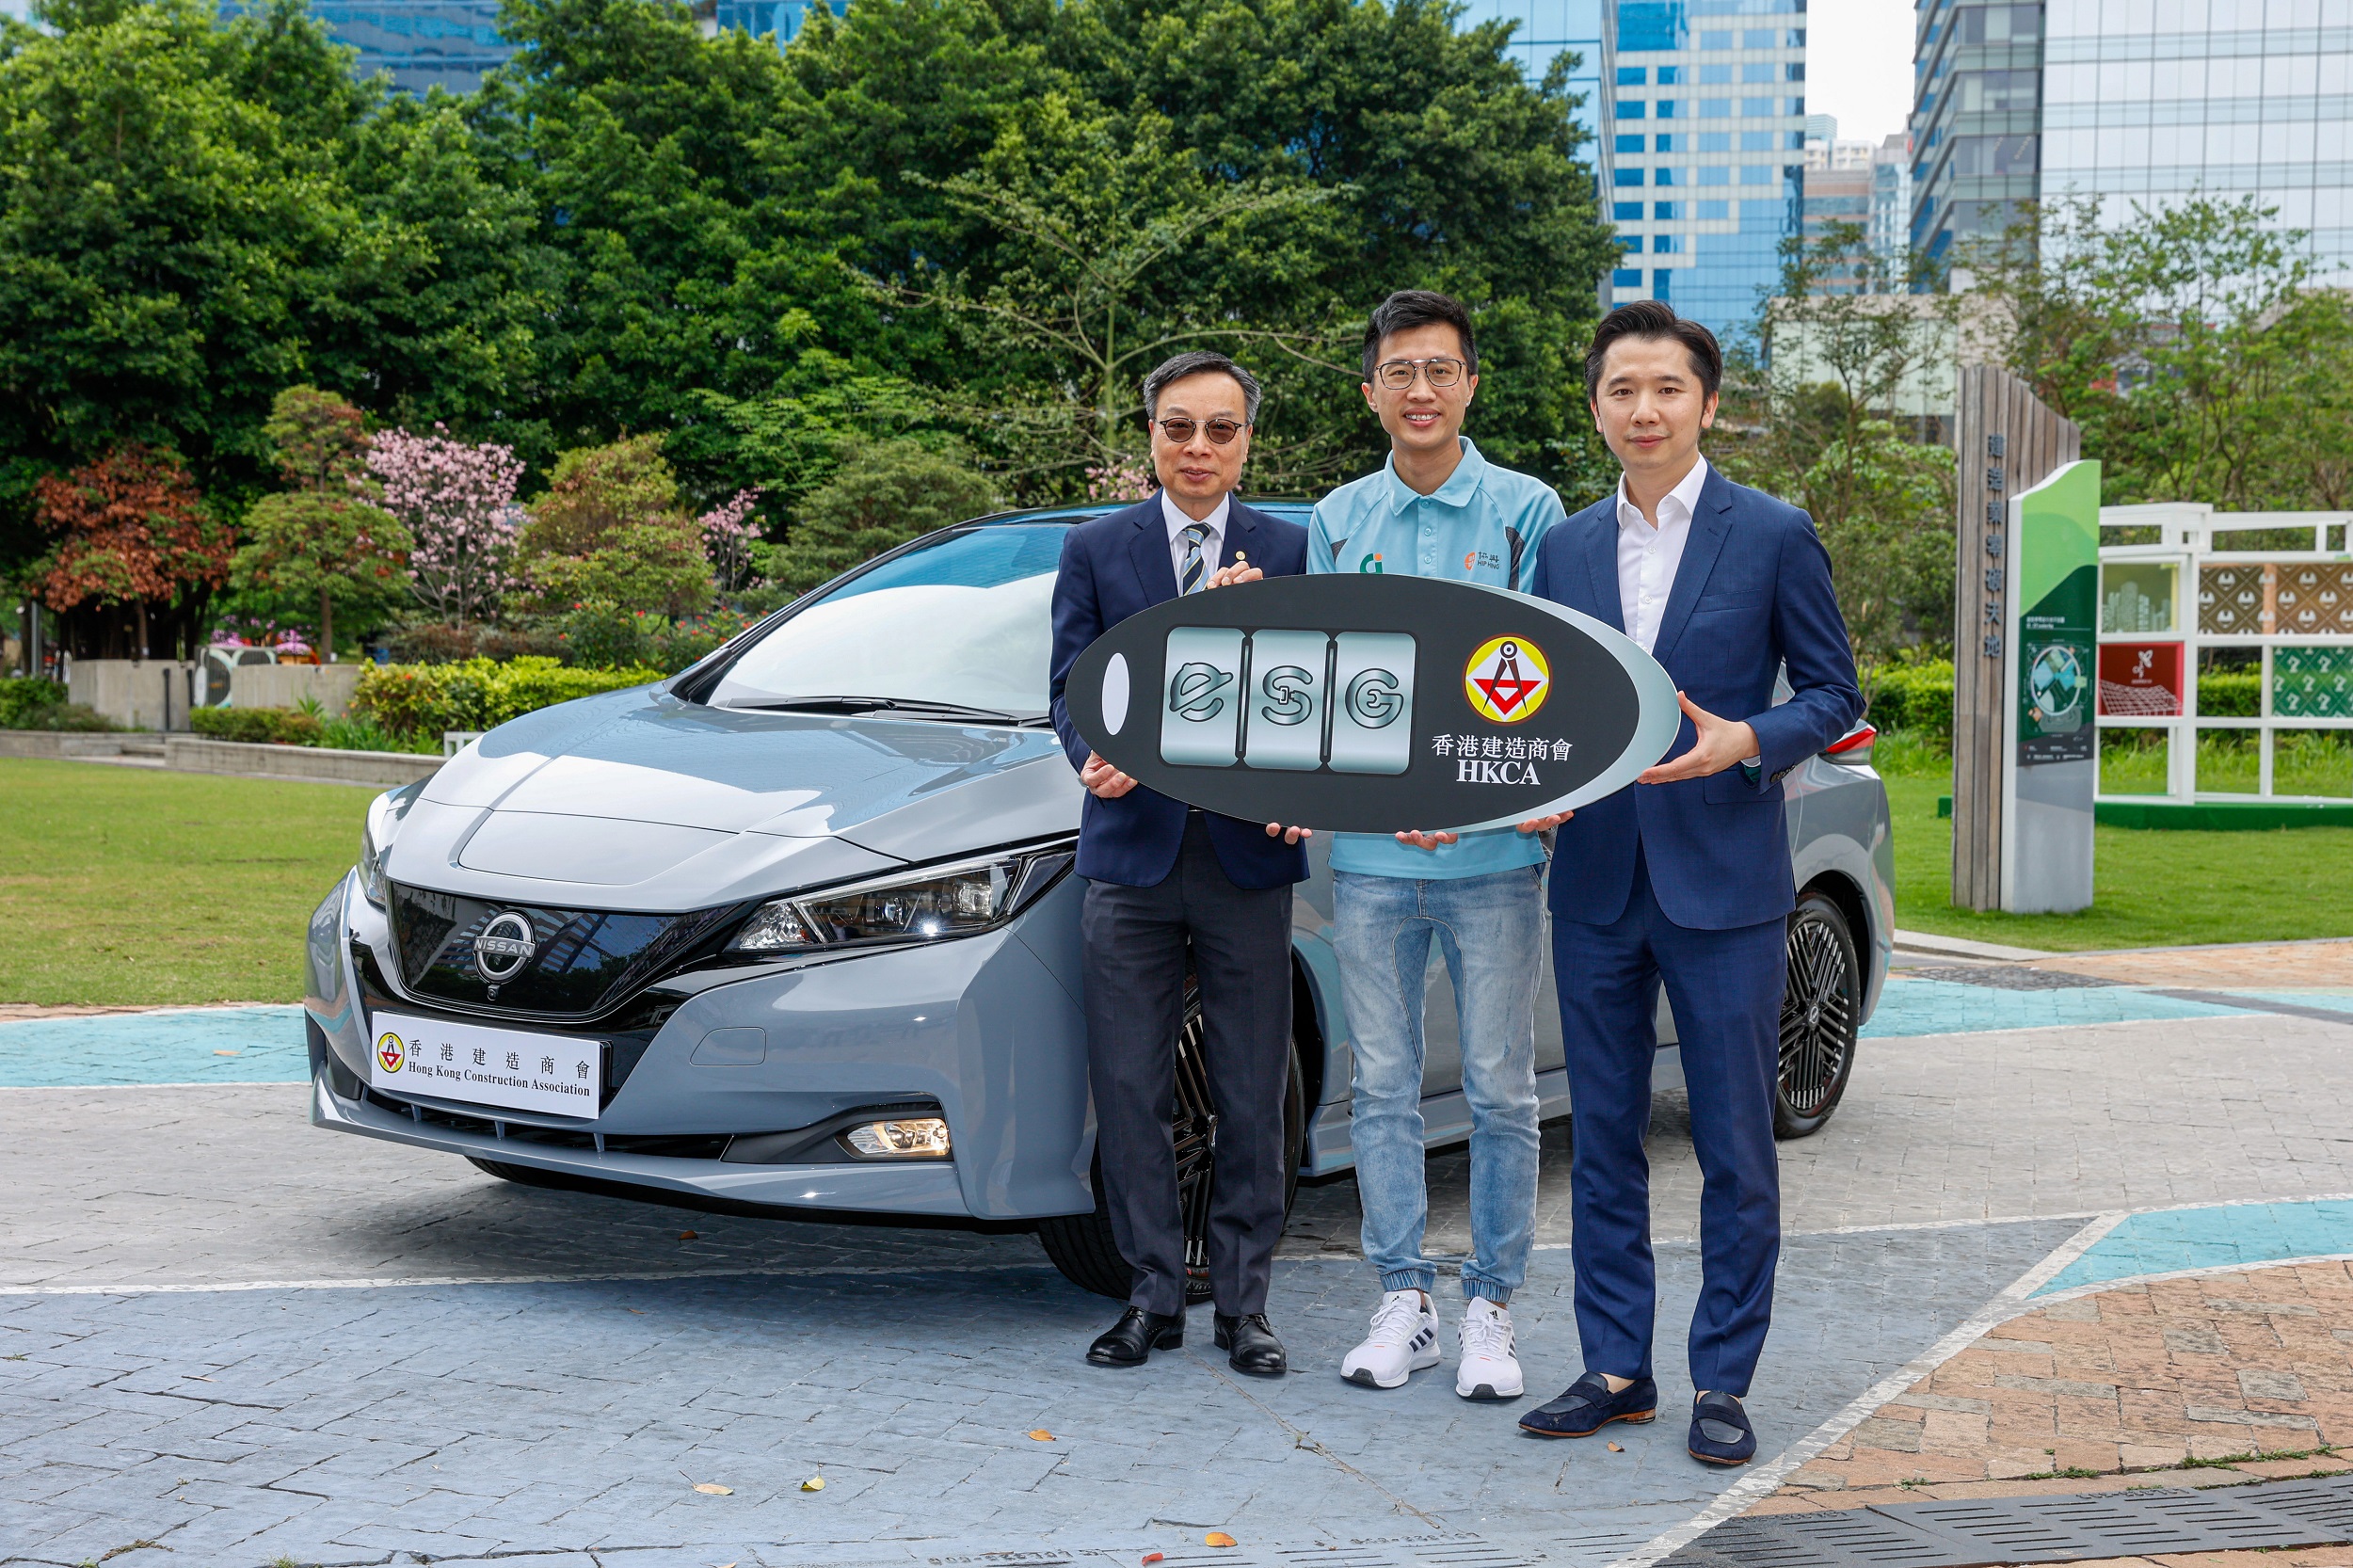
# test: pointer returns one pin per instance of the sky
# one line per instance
(1858, 64)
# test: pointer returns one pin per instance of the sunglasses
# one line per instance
(1222, 431)
(1397, 375)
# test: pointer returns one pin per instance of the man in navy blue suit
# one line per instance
(1165, 878)
(1684, 877)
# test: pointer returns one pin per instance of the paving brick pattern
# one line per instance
(341, 1426)
(2138, 1378)
(2263, 966)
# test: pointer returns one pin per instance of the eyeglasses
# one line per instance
(1397, 375)
(1222, 431)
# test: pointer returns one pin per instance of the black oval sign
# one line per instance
(1365, 703)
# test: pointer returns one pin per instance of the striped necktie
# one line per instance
(1196, 534)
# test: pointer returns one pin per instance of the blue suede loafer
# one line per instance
(1589, 1406)
(1720, 1431)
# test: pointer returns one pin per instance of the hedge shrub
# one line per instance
(422, 700)
(28, 702)
(24, 700)
(256, 726)
(1918, 698)
(1915, 698)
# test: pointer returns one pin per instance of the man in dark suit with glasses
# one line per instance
(1166, 880)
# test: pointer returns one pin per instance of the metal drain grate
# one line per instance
(2069, 1529)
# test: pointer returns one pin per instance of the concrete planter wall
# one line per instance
(195, 754)
(60, 743)
(286, 685)
(131, 690)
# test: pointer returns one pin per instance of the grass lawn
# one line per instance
(2150, 887)
(141, 887)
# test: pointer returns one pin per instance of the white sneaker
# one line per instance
(1403, 1340)
(1488, 1369)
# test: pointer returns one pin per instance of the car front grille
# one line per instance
(582, 961)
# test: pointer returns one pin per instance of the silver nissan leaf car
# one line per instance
(797, 931)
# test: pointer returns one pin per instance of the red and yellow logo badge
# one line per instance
(390, 1052)
(1506, 679)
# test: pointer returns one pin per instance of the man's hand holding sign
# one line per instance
(1105, 782)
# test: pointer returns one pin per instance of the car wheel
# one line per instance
(1819, 1012)
(1081, 1245)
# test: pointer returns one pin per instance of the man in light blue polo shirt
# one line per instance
(1439, 509)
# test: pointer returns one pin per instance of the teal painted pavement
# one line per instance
(2239, 1234)
(1910, 1007)
(212, 1045)
(263, 1045)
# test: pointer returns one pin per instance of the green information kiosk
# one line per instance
(2050, 753)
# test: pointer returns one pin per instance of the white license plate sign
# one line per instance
(505, 1068)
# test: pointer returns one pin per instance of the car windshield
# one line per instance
(961, 622)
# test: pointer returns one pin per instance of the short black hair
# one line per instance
(1655, 320)
(1410, 308)
(1198, 361)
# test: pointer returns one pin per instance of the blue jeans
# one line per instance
(1491, 932)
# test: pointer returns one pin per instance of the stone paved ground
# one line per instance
(2141, 1377)
(2228, 1379)
(2260, 966)
(216, 1355)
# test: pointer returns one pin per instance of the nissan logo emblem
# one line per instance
(502, 946)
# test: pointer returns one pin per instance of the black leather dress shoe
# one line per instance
(1132, 1341)
(1251, 1346)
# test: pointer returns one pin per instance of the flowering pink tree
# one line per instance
(728, 534)
(1122, 479)
(458, 501)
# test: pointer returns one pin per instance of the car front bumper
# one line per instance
(988, 1029)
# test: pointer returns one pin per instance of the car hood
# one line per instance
(635, 800)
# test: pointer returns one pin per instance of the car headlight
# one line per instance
(940, 902)
(375, 841)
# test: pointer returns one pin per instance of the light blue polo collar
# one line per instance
(1457, 492)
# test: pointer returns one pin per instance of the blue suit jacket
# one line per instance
(1114, 568)
(1752, 593)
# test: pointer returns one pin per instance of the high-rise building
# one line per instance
(781, 17)
(1976, 116)
(1702, 150)
(2226, 98)
(1891, 196)
(1547, 29)
(2120, 101)
(423, 44)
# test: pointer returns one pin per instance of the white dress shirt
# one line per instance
(1211, 547)
(1648, 556)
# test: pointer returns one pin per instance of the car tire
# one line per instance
(1081, 1245)
(1819, 1012)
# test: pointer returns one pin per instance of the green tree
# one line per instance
(170, 223)
(1113, 251)
(884, 494)
(2188, 342)
(1825, 402)
(612, 529)
(323, 541)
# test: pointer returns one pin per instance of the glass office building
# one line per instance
(2125, 100)
(781, 17)
(1546, 29)
(2149, 102)
(423, 43)
(1702, 150)
(1976, 116)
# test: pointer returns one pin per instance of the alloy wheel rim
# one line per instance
(1816, 1017)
